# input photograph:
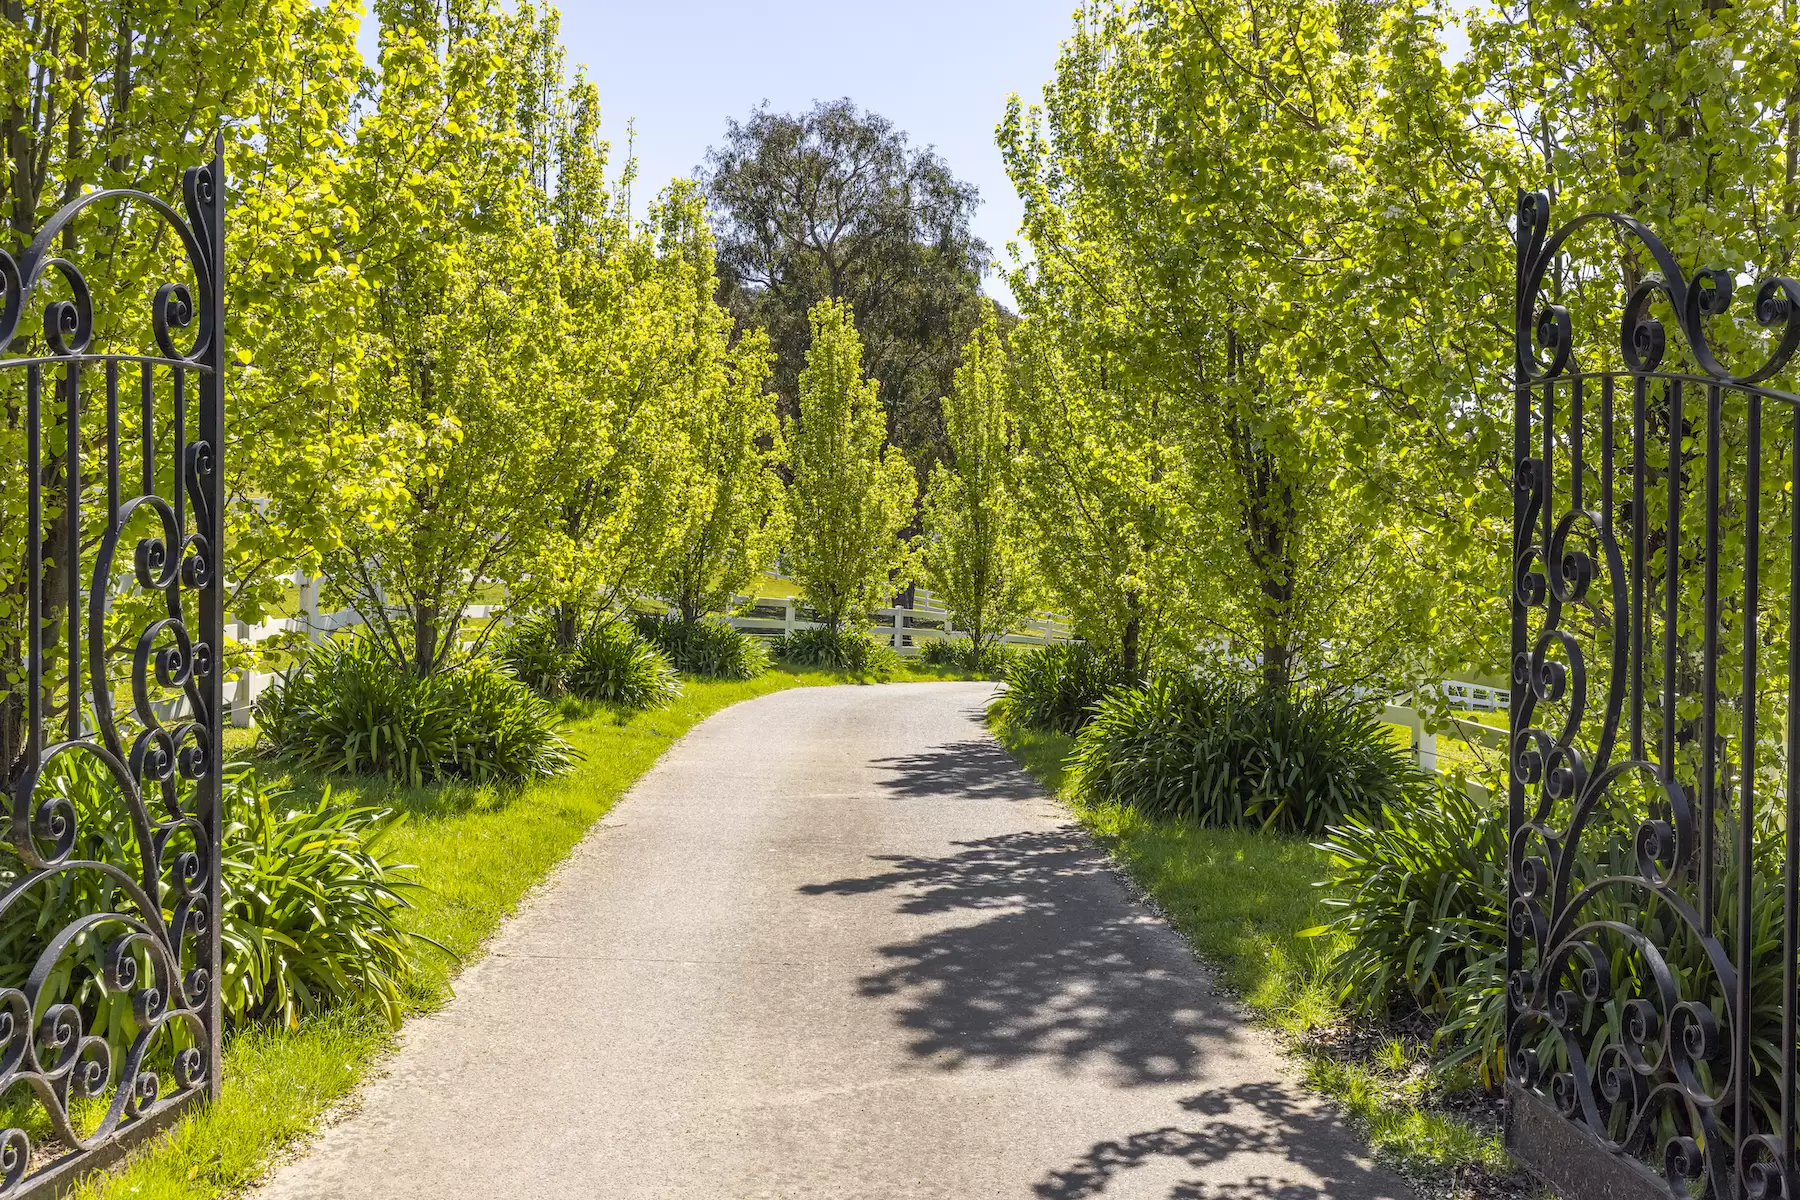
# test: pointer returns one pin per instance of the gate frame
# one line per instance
(188, 556)
(1566, 1141)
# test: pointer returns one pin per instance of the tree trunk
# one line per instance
(1128, 644)
(425, 634)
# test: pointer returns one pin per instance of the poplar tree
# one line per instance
(851, 494)
(972, 553)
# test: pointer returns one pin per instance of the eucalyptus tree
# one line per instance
(973, 549)
(851, 493)
(833, 203)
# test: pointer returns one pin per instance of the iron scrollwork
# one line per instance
(1633, 870)
(157, 753)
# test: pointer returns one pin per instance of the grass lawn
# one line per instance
(478, 852)
(1242, 899)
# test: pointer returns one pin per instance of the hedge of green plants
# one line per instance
(842, 649)
(711, 648)
(1057, 689)
(310, 918)
(346, 708)
(1216, 752)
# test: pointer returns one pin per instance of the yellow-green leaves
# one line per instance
(851, 493)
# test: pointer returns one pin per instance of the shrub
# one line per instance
(1217, 753)
(533, 654)
(312, 909)
(612, 663)
(1056, 689)
(1421, 887)
(311, 906)
(995, 661)
(348, 709)
(844, 649)
(710, 648)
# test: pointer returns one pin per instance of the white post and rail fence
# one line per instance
(908, 629)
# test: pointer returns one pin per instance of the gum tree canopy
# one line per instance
(832, 204)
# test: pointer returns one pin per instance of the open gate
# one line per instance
(1655, 762)
(109, 890)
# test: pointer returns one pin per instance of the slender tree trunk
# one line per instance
(425, 635)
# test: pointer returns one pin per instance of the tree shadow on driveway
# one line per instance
(1061, 965)
(1030, 950)
(1250, 1119)
(977, 769)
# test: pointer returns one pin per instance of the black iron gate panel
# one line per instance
(1656, 560)
(109, 892)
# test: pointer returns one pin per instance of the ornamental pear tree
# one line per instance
(735, 515)
(973, 553)
(1266, 303)
(851, 493)
(456, 366)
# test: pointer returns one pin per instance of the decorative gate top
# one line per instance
(1654, 772)
(109, 946)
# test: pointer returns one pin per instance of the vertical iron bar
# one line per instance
(1740, 1019)
(209, 798)
(34, 560)
(1638, 530)
(112, 443)
(1790, 870)
(180, 458)
(1671, 568)
(147, 401)
(1606, 452)
(1577, 461)
(1709, 664)
(72, 532)
(1521, 451)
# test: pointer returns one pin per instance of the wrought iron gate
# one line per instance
(109, 946)
(1650, 973)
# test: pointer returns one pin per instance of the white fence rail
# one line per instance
(906, 629)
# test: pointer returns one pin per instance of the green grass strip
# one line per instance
(478, 852)
(1241, 898)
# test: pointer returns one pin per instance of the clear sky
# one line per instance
(938, 69)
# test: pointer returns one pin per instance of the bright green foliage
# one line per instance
(312, 909)
(346, 709)
(1057, 689)
(710, 648)
(1261, 288)
(612, 663)
(846, 649)
(851, 494)
(455, 346)
(973, 553)
(79, 112)
(1217, 752)
(736, 518)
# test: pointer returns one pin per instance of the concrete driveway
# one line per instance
(836, 945)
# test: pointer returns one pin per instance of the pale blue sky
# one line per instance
(939, 69)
